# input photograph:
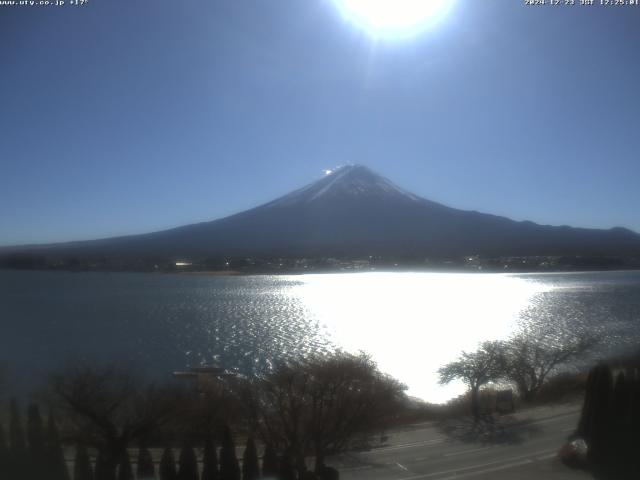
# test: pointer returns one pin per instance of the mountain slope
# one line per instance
(352, 211)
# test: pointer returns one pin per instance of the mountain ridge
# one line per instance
(353, 211)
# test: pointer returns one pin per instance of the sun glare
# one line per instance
(394, 18)
(413, 323)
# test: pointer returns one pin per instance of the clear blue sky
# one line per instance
(131, 116)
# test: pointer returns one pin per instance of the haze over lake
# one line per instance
(411, 323)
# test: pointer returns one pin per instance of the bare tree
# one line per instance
(322, 405)
(108, 408)
(536, 351)
(350, 400)
(476, 369)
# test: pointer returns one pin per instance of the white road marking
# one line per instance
(547, 457)
(353, 469)
(553, 419)
(404, 445)
(463, 452)
(498, 464)
(402, 467)
(421, 459)
(489, 470)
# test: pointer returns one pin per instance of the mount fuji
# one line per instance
(354, 212)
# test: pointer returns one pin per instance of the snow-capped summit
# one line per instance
(347, 182)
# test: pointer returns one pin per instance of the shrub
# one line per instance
(250, 466)
(82, 466)
(145, 469)
(168, 465)
(229, 468)
(188, 464)
(210, 461)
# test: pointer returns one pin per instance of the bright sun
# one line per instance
(389, 18)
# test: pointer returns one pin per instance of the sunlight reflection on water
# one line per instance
(413, 323)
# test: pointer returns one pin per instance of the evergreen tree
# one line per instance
(584, 424)
(17, 461)
(168, 465)
(634, 424)
(82, 465)
(599, 429)
(269, 462)
(615, 420)
(145, 470)
(229, 468)
(125, 471)
(102, 470)
(620, 421)
(35, 437)
(250, 466)
(4, 454)
(287, 472)
(56, 465)
(16, 433)
(210, 461)
(188, 464)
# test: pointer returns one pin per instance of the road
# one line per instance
(521, 446)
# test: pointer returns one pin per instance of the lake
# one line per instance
(411, 323)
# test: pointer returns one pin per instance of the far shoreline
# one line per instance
(235, 273)
(260, 273)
